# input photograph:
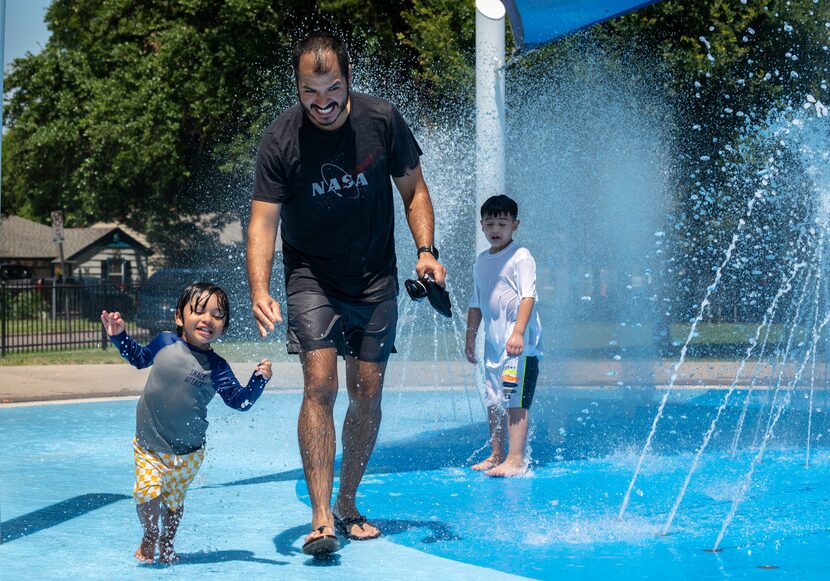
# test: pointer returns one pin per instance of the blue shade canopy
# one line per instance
(536, 22)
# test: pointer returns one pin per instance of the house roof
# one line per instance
(135, 234)
(22, 238)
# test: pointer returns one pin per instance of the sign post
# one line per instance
(57, 238)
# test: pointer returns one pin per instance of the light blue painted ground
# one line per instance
(66, 473)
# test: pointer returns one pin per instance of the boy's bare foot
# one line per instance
(508, 468)
(166, 552)
(486, 464)
(146, 551)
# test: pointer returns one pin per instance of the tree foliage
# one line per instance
(139, 111)
(149, 111)
(730, 65)
(443, 37)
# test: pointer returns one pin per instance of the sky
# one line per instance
(25, 29)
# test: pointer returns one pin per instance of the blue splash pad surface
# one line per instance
(67, 513)
(561, 522)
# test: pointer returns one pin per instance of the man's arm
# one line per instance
(421, 219)
(262, 236)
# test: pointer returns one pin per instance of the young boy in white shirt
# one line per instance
(504, 298)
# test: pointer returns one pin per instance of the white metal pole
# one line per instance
(490, 32)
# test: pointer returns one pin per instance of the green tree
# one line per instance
(149, 112)
(729, 64)
(144, 112)
(442, 35)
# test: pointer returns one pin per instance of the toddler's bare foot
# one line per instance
(486, 464)
(166, 552)
(146, 551)
(508, 468)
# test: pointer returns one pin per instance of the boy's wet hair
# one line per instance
(496, 206)
(319, 43)
(199, 293)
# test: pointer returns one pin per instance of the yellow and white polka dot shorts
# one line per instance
(165, 475)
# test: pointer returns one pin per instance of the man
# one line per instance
(323, 170)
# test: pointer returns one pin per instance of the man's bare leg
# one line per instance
(315, 432)
(364, 381)
(498, 429)
(516, 463)
(170, 520)
(148, 516)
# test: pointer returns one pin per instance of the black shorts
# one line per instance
(511, 395)
(359, 329)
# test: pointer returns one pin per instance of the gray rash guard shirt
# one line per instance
(171, 416)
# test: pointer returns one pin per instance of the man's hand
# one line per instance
(262, 233)
(266, 313)
(113, 323)
(264, 369)
(428, 264)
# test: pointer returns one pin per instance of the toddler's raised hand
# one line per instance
(113, 323)
(264, 369)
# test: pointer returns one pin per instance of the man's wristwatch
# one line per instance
(431, 249)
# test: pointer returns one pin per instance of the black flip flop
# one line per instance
(322, 545)
(344, 527)
(437, 295)
(439, 298)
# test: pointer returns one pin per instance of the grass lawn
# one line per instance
(234, 352)
(64, 357)
(729, 333)
(58, 325)
(587, 337)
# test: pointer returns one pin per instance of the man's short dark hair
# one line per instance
(318, 44)
(198, 294)
(495, 206)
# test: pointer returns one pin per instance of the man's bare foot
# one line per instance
(166, 552)
(356, 528)
(321, 541)
(146, 551)
(508, 468)
(486, 464)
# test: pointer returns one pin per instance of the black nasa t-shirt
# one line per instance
(337, 215)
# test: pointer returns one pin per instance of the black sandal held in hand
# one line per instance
(344, 527)
(322, 545)
(437, 295)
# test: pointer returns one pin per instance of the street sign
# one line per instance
(57, 227)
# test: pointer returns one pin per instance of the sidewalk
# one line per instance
(58, 382)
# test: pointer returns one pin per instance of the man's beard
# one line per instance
(342, 108)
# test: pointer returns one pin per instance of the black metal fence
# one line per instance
(55, 315)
